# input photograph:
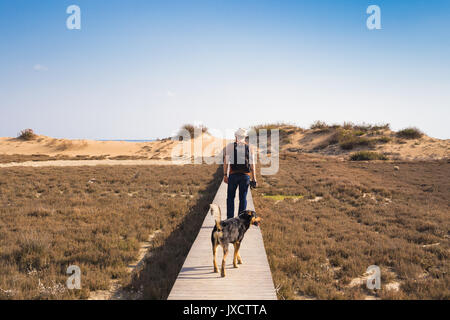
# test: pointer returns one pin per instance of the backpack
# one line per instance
(241, 167)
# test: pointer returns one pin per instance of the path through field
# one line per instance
(251, 281)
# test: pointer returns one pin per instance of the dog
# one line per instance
(230, 231)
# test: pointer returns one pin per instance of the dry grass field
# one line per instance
(344, 216)
(96, 218)
(326, 220)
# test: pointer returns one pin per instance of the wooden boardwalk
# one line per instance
(251, 281)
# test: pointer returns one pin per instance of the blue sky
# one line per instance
(140, 69)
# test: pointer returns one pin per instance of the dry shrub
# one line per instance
(360, 129)
(410, 133)
(383, 139)
(96, 217)
(319, 125)
(368, 214)
(350, 136)
(5, 158)
(27, 135)
(285, 130)
(192, 129)
(370, 128)
(367, 155)
(348, 140)
(289, 128)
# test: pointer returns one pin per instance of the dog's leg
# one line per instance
(215, 245)
(225, 252)
(235, 254)
(238, 246)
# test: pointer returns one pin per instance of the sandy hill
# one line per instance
(160, 149)
(343, 140)
(321, 139)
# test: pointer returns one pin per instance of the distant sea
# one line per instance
(127, 140)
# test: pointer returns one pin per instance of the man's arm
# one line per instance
(252, 164)
(225, 165)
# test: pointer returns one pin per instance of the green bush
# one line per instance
(349, 141)
(383, 139)
(410, 133)
(367, 155)
(371, 128)
(385, 126)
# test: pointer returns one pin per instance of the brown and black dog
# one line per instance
(230, 231)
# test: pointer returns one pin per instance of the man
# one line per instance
(239, 157)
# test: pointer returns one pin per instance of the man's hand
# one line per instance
(253, 184)
(225, 179)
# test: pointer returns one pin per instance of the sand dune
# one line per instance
(155, 150)
(424, 148)
(293, 139)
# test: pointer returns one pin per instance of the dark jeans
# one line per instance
(235, 180)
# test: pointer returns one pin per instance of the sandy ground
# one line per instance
(425, 148)
(155, 152)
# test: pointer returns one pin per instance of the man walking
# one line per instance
(239, 157)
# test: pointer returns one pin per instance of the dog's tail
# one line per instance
(215, 212)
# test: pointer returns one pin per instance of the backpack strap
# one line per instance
(247, 153)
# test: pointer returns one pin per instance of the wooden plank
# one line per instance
(251, 281)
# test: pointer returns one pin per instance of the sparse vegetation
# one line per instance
(349, 141)
(285, 130)
(383, 139)
(27, 135)
(289, 128)
(410, 133)
(319, 125)
(367, 213)
(358, 128)
(350, 136)
(325, 221)
(5, 158)
(96, 217)
(126, 157)
(367, 155)
(368, 127)
(193, 128)
(280, 197)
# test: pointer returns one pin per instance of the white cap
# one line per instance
(241, 133)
